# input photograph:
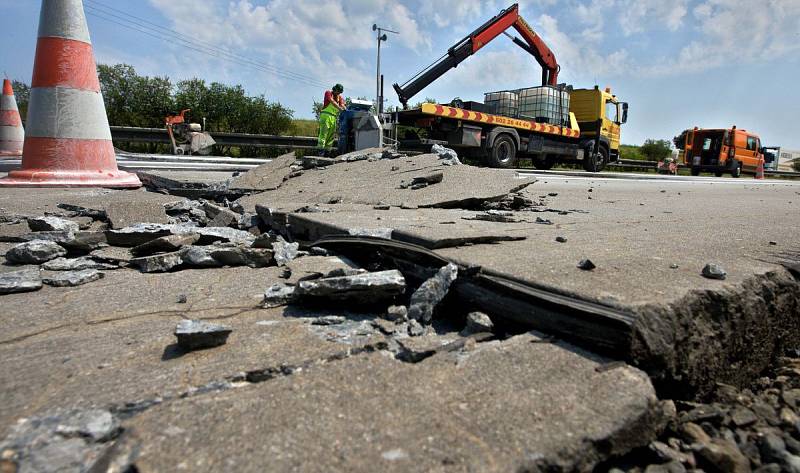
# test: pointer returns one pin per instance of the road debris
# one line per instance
(76, 264)
(714, 271)
(197, 334)
(284, 252)
(278, 295)
(448, 156)
(586, 264)
(365, 288)
(477, 322)
(396, 313)
(561, 239)
(52, 224)
(73, 278)
(35, 252)
(23, 280)
(165, 244)
(158, 263)
(61, 440)
(425, 299)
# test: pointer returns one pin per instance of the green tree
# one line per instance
(134, 100)
(656, 150)
(680, 140)
(22, 93)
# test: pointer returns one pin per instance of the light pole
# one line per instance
(381, 37)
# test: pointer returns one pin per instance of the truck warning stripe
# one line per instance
(468, 115)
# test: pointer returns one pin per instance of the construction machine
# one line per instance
(549, 124)
(188, 138)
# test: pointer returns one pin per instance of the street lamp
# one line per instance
(381, 37)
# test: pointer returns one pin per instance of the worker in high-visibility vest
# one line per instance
(331, 106)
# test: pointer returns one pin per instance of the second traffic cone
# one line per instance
(68, 141)
(760, 170)
(11, 133)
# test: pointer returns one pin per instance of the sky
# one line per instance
(679, 63)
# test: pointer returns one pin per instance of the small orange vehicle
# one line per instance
(722, 151)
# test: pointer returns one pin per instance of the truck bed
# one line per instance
(409, 117)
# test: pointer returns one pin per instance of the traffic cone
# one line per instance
(11, 133)
(68, 141)
(760, 169)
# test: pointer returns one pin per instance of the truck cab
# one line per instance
(721, 151)
(594, 106)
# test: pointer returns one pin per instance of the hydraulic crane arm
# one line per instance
(478, 39)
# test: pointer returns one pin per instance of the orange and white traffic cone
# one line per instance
(11, 133)
(760, 170)
(67, 141)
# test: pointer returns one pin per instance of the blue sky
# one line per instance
(679, 63)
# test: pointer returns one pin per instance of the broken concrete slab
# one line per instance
(158, 263)
(309, 162)
(361, 155)
(225, 218)
(35, 252)
(242, 256)
(61, 440)
(284, 251)
(370, 183)
(49, 223)
(200, 256)
(265, 177)
(365, 288)
(197, 334)
(425, 299)
(72, 278)
(278, 295)
(108, 348)
(76, 264)
(23, 280)
(139, 234)
(572, 424)
(431, 228)
(165, 244)
(671, 314)
(112, 255)
(191, 184)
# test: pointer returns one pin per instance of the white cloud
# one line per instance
(308, 37)
(736, 32)
(443, 13)
(637, 16)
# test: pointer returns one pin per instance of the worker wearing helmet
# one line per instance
(331, 106)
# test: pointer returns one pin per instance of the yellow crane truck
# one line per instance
(548, 124)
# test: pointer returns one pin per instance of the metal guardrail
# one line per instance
(159, 135)
(635, 163)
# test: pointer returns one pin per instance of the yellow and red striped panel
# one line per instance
(468, 115)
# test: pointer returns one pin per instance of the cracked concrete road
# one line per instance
(501, 406)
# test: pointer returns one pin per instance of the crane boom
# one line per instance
(476, 40)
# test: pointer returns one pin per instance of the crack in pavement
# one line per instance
(128, 410)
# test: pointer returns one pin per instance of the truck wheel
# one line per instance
(599, 161)
(737, 171)
(503, 153)
(695, 171)
(718, 173)
(543, 163)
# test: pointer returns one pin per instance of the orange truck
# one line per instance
(721, 151)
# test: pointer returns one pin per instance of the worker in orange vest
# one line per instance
(331, 106)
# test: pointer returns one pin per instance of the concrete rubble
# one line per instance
(72, 278)
(197, 334)
(23, 280)
(35, 252)
(452, 288)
